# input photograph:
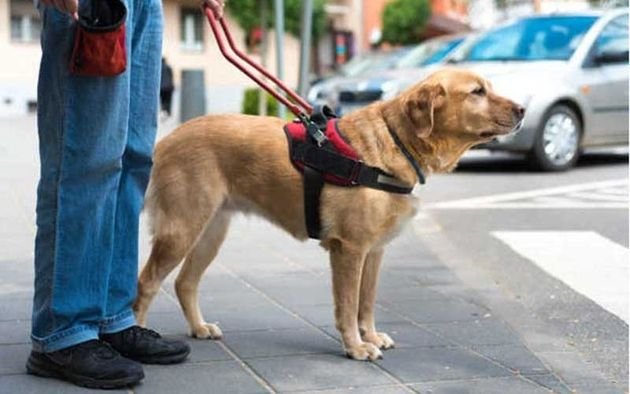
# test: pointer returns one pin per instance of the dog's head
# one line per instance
(451, 111)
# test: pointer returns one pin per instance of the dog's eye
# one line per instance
(480, 91)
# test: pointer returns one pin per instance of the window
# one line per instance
(538, 38)
(191, 29)
(614, 39)
(25, 23)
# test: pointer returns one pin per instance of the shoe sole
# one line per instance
(161, 360)
(34, 367)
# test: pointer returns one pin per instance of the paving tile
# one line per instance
(476, 332)
(15, 331)
(310, 291)
(413, 365)
(13, 358)
(27, 384)
(404, 334)
(570, 367)
(14, 290)
(551, 382)
(281, 343)
(204, 350)
(15, 309)
(511, 385)
(317, 372)
(219, 376)
(323, 315)
(436, 275)
(252, 318)
(438, 311)
(599, 388)
(362, 390)
(515, 357)
(168, 323)
(398, 292)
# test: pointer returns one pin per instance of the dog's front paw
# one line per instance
(207, 331)
(379, 339)
(364, 351)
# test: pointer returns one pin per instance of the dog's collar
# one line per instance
(408, 156)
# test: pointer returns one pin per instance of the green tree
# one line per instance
(404, 21)
(247, 14)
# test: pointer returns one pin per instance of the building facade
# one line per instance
(188, 45)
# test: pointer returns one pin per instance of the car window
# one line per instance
(614, 37)
(548, 38)
(428, 53)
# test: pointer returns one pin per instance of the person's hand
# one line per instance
(216, 6)
(69, 6)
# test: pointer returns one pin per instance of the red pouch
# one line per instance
(99, 44)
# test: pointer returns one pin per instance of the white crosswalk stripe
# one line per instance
(587, 262)
(611, 194)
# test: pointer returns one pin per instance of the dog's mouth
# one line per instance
(501, 129)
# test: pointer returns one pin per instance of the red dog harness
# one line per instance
(333, 161)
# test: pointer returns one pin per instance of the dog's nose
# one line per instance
(519, 112)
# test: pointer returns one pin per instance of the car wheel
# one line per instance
(557, 144)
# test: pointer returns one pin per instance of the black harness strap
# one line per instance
(319, 159)
(410, 159)
(313, 184)
(329, 162)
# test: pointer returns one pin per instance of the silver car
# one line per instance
(354, 93)
(571, 74)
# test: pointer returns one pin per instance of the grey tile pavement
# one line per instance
(272, 297)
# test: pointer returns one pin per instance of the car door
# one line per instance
(606, 75)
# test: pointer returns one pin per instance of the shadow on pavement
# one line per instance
(517, 163)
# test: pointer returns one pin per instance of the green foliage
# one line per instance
(247, 14)
(404, 21)
(251, 100)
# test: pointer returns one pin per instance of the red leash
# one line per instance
(302, 109)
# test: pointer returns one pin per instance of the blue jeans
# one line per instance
(96, 137)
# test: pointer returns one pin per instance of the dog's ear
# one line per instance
(420, 105)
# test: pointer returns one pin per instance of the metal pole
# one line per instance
(279, 12)
(262, 96)
(305, 45)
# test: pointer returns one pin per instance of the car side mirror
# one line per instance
(610, 57)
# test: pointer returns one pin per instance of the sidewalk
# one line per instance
(271, 295)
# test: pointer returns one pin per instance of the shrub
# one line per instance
(250, 103)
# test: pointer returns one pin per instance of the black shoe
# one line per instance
(147, 346)
(92, 364)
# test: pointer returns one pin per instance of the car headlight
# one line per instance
(390, 89)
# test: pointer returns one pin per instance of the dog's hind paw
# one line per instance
(380, 340)
(364, 352)
(207, 331)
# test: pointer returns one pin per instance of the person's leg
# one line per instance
(118, 328)
(145, 47)
(82, 123)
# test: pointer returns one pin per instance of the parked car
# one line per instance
(370, 62)
(354, 93)
(570, 72)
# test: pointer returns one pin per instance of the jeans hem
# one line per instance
(66, 338)
(118, 322)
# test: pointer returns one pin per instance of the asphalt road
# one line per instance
(542, 247)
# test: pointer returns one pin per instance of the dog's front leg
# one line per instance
(346, 263)
(367, 299)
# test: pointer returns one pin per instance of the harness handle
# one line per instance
(302, 109)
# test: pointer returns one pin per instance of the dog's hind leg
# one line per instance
(367, 298)
(168, 251)
(187, 282)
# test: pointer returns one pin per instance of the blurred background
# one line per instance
(540, 217)
(565, 60)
